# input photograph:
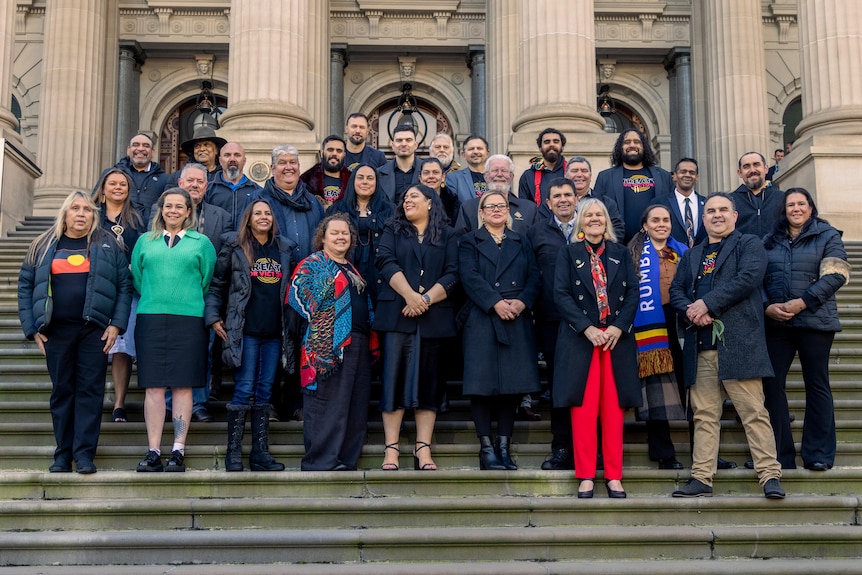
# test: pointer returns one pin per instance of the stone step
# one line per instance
(420, 545)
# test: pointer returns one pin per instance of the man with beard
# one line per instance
(634, 181)
(499, 174)
(757, 200)
(358, 151)
(203, 148)
(535, 181)
(230, 189)
(148, 177)
(470, 182)
(686, 205)
(395, 176)
(327, 179)
(580, 172)
(294, 208)
(443, 149)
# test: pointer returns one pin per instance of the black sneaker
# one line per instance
(694, 488)
(152, 462)
(175, 463)
(772, 489)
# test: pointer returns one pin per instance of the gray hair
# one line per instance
(585, 205)
(581, 160)
(445, 136)
(193, 166)
(284, 150)
(497, 157)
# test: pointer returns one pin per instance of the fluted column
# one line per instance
(737, 116)
(8, 121)
(274, 95)
(128, 95)
(678, 66)
(73, 82)
(829, 138)
(337, 62)
(501, 81)
(477, 90)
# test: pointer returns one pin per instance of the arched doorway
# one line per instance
(428, 118)
(792, 117)
(179, 127)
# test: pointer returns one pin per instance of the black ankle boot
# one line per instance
(503, 443)
(260, 459)
(235, 428)
(487, 456)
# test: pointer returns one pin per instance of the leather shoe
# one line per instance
(561, 460)
(817, 466)
(527, 414)
(613, 493)
(201, 415)
(669, 463)
(85, 467)
(749, 464)
(586, 494)
(694, 488)
(725, 464)
(60, 467)
(772, 489)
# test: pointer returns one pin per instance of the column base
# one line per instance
(18, 173)
(821, 165)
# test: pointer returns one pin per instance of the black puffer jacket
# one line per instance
(231, 283)
(812, 267)
(109, 288)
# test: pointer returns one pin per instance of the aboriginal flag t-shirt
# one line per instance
(70, 270)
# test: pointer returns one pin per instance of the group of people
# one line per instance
(360, 259)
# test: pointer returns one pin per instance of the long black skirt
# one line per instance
(172, 350)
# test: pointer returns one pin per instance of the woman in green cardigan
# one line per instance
(171, 268)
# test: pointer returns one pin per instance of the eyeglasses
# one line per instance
(495, 207)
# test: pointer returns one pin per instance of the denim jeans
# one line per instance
(254, 378)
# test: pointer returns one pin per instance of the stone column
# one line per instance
(736, 111)
(337, 63)
(8, 121)
(128, 94)
(271, 88)
(73, 82)
(678, 66)
(829, 138)
(477, 90)
(563, 97)
(501, 18)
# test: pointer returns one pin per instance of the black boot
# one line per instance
(260, 459)
(487, 456)
(503, 443)
(235, 428)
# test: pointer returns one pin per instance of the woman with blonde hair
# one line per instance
(74, 293)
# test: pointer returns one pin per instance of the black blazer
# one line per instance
(547, 240)
(678, 220)
(386, 178)
(216, 222)
(609, 183)
(423, 265)
(523, 214)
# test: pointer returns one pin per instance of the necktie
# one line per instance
(566, 228)
(689, 223)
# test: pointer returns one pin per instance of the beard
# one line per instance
(446, 160)
(233, 172)
(551, 156)
(331, 164)
(502, 187)
(633, 158)
(356, 140)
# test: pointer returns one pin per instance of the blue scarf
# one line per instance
(650, 329)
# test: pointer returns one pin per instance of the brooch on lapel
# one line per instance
(615, 261)
(518, 216)
(579, 263)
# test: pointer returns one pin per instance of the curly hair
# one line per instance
(317, 240)
(617, 154)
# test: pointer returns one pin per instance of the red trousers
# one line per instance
(600, 399)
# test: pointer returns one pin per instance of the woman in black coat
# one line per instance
(501, 279)
(369, 211)
(596, 369)
(418, 261)
(248, 290)
(806, 265)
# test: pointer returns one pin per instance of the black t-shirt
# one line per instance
(70, 270)
(402, 180)
(263, 311)
(358, 303)
(371, 156)
(331, 188)
(480, 186)
(702, 286)
(639, 193)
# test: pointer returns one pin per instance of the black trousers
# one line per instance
(487, 408)
(335, 416)
(818, 429)
(561, 417)
(77, 366)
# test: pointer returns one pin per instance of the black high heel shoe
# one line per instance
(613, 493)
(586, 494)
(431, 466)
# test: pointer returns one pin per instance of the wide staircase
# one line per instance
(455, 520)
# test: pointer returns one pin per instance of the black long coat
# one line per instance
(423, 265)
(576, 302)
(500, 357)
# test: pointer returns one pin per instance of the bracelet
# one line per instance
(426, 298)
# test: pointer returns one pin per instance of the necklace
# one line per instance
(498, 238)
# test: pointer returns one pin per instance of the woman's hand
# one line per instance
(218, 328)
(517, 305)
(505, 310)
(777, 312)
(40, 341)
(109, 337)
(596, 336)
(613, 333)
(416, 305)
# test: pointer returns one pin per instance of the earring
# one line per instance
(581, 235)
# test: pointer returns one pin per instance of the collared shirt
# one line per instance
(171, 242)
(680, 200)
(567, 228)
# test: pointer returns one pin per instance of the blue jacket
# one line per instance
(230, 199)
(297, 214)
(812, 267)
(109, 288)
(757, 216)
(460, 184)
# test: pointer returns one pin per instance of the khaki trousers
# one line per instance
(707, 403)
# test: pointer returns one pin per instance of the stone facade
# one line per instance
(683, 70)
